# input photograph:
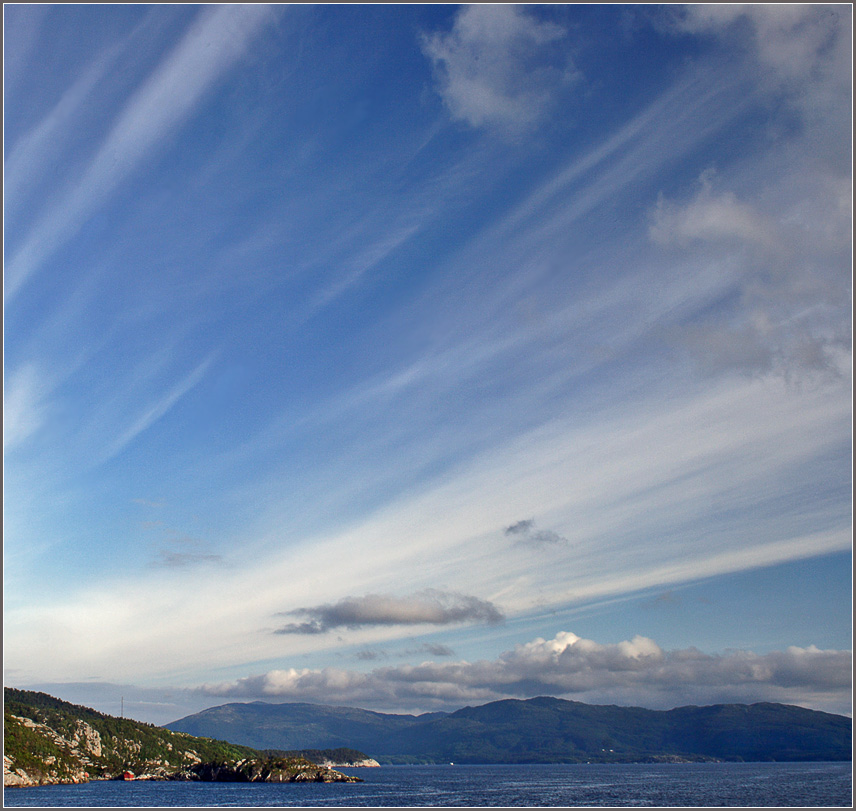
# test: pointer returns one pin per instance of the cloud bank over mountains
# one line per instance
(633, 672)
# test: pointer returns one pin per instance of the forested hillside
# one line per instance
(47, 740)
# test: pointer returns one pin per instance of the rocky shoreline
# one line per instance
(51, 742)
(250, 770)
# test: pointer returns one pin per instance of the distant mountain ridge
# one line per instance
(537, 730)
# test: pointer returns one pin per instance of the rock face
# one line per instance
(66, 758)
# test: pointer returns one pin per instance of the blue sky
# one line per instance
(410, 357)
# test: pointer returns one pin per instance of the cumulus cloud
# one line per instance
(430, 606)
(636, 671)
(499, 66)
(710, 216)
(525, 533)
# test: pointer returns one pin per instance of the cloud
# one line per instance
(726, 499)
(526, 533)
(173, 559)
(498, 67)
(169, 97)
(710, 217)
(23, 405)
(635, 671)
(803, 50)
(370, 655)
(783, 310)
(427, 607)
(789, 38)
(179, 553)
(35, 153)
(158, 409)
(437, 650)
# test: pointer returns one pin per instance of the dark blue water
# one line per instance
(804, 785)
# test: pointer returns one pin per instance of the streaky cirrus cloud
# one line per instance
(431, 606)
(495, 67)
(23, 404)
(166, 100)
(636, 671)
(36, 152)
(157, 410)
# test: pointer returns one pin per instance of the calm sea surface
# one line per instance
(803, 785)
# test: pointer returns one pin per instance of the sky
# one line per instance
(411, 357)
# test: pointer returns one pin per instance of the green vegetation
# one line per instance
(52, 741)
(124, 744)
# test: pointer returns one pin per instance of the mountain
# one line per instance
(300, 726)
(47, 740)
(538, 730)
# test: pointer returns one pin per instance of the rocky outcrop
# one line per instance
(65, 760)
(368, 762)
(265, 770)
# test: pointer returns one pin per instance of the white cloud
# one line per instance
(636, 671)
(36, 151)
(789, 275)
(644, 496)
(497, 67)
(166, 100)
(158, 409)
(710, 216)
(789, 37)
(802, 49)
(23, 405)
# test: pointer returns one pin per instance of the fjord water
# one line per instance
(804, 785)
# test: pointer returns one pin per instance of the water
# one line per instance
(804, 785)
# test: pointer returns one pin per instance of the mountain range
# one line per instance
(537, 730)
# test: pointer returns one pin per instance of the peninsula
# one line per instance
(49, 741)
